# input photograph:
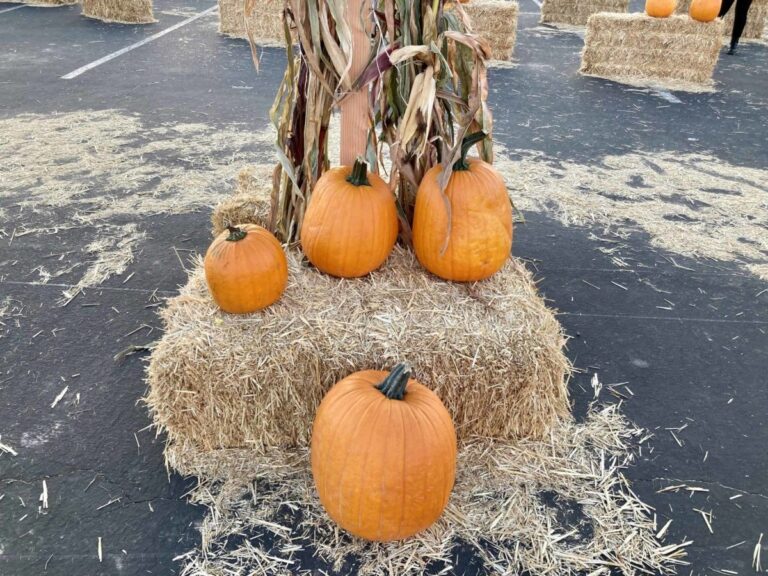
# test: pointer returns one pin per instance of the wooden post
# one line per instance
(354, 108)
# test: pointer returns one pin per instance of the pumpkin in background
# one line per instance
(351, 223)
(246, 269)
(383, 454)
(704, 10)
(660, 8)
(472, 240)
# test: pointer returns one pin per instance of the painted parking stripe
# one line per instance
(537, 2)
(10, 9)
(127, 49)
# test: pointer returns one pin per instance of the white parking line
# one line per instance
(537, 2)
(127, 49)
(10, 9)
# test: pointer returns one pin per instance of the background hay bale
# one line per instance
(120, 11)
(496, 21)
(757, 18)
(491, 351)
(44, 3)
(266, 21)
(250, 202)
(577, 12)
(675, 52)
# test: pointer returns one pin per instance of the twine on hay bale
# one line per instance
(559, 505)
(577, 12)
(757, 19)
(496, 21)
(120, 11)
(676, 52)
(266, 22)
(492, 352)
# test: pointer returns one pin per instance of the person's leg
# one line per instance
(724, 7)
(739, 21)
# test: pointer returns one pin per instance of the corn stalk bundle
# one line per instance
(427, 87)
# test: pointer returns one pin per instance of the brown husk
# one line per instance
(577, 12)
(677, 52)
(120, 11)
(496, 22)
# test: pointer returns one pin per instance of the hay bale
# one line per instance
(250, 202)
(496, 21)
(266, 22)
(120, 11)
(577, 12)
(492, 351)
(757, 19)
(675, 52)
(44, 3)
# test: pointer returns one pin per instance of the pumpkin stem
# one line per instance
(236, 234)
(393, 386)
(359, 175)
(469, 141)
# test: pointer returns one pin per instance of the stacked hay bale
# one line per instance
(577, 12)
(265, 23)
(120, 11)
(496, 21)
(757, 19)
(676, 52)
(249, 203)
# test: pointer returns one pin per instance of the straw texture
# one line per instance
(757, 18)
(491, 351)
(120, 11)
(577, 12)
(496, 21)
(249, 204)
(673, 52)
(266, 21)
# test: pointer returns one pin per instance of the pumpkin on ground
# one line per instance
(660, 8)
(351, 223)
(383, 454)
(704, 10)
(246, 269)
(463, 235)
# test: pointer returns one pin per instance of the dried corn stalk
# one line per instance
(427, 86)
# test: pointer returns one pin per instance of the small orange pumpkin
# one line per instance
(660, 8)
(704, 10)
(477, 240)
(351, 223)
(246, 269)
(383, 454)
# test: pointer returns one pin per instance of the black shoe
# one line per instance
(731, 50)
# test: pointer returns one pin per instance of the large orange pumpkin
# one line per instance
(351, 223)
(246, 269)
(471, 240)
(704, 10)
(660, 8)
(383, 454)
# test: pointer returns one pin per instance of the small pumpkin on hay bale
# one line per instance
(120, 11)
(757, 19)
(675, 52)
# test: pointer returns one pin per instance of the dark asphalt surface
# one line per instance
(703, 365)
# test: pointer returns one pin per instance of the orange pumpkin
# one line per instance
(246, 269)
(660, 8)
(351, 223)
(473, 239)
(704, 10)
(383, 454)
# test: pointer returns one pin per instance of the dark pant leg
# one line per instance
(739, 20)
(725, 6)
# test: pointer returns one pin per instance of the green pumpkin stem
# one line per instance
(466, 145)
(359, 175)
(236, 234)
(393, 386)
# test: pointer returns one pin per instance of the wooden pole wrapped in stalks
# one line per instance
(354, 106)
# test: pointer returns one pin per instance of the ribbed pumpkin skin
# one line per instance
(384, 469)
(246, 275)
(660, 8)
(349, 230)
(481, 223)
(704, 10)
